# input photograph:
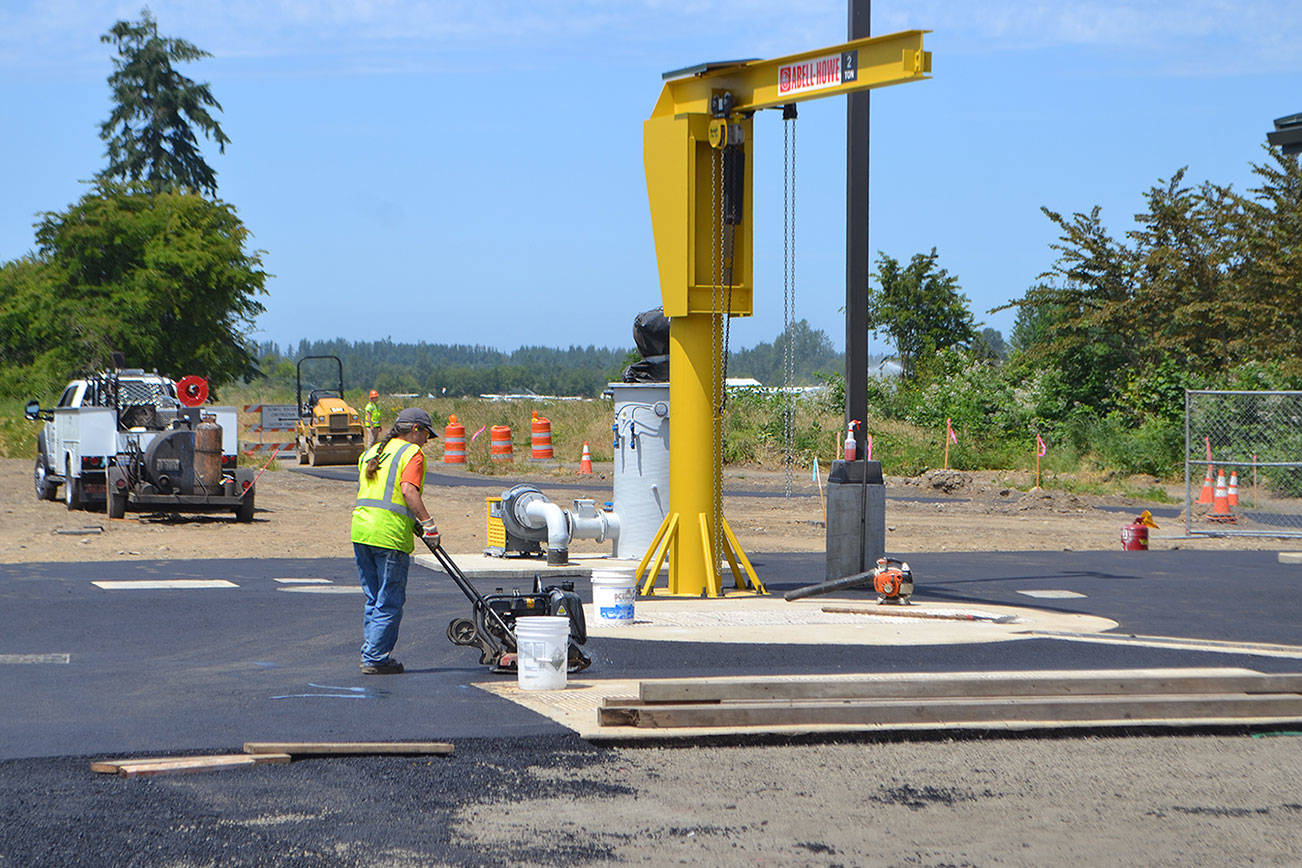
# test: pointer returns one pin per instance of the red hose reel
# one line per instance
(191, 390)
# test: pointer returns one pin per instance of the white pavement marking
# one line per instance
(304, 581)
(1217, 646)
(1051, 595)
(164, 584)
(1290, 557)
(35, 658)
(323, 589)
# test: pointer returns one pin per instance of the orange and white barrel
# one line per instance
(541, 437)
(500, 443)
(454, 442)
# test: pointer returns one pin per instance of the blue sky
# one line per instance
(471, 172)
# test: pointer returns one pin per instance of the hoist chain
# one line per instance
(788, 294)
(717, 349)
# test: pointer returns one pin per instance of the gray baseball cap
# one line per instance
(413, 416)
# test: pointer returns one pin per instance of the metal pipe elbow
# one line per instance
(558, 529)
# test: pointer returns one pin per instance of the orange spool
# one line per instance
(454, 442)
(541, 438)
(500, 440)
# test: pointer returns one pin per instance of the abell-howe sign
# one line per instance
(818, 73)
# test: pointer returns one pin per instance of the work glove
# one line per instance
(429, 531)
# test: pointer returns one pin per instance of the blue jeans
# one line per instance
(383, 573)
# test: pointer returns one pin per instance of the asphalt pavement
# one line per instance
(273, 655)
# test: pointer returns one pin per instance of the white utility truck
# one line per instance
(124, 438)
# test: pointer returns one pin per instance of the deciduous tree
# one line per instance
(920, 306)
(164, 277)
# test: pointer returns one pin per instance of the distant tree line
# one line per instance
(467, 369)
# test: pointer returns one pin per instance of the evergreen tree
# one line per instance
(151, 130)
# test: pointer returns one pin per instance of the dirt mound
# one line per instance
(1042, 501)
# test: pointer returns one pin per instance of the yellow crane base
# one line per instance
(687, 582)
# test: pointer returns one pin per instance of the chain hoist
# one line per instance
(727, 191)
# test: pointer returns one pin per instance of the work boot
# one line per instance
(388, 666)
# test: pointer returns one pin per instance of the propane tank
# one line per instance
(849, 441)
(208, 454)
(1134, 536)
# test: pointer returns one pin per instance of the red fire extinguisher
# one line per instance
(1134, 536)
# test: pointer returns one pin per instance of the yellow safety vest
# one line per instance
(381, 517)
(373, 414)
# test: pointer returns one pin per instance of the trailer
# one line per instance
(126, 440)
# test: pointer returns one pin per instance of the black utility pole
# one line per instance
(856, 240)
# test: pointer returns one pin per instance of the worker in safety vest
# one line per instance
(389, 510)
(371, 419)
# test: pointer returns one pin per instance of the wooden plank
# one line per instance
(115, 766)
(969, 684)
(297, 748)
(178, 765)
(1078, 709)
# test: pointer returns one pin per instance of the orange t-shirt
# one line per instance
(414, 472)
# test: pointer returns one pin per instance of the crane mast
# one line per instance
(697, 152)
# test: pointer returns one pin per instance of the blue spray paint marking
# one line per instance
(349, 693)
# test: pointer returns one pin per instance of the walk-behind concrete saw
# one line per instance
(891, 579)
(491, 627)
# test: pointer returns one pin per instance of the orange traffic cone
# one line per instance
(1221, 501)
(1232, 495)
(1206, 495)
(585, 463)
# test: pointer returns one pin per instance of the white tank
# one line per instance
(641, 483)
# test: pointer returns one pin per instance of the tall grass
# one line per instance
(17, 435)
(1092, 460)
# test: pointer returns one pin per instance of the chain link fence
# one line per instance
(1243, 463)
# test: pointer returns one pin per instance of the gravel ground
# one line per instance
(1138, 800)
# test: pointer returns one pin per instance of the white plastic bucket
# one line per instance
(543, 645)
(612, 597)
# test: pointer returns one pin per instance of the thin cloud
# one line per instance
(1164, 36)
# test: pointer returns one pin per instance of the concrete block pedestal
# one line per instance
(856, 517)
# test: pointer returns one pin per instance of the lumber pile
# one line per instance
(967, 699)
(258, 753)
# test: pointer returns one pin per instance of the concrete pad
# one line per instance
(771, 620)
(1290, 557)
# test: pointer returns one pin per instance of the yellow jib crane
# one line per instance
(696, 150)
